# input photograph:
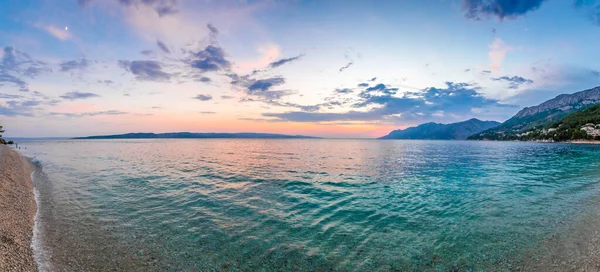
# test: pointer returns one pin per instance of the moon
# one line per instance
(66, 28)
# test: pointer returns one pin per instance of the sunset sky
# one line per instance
(320, 68)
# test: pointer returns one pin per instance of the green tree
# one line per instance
(1, 131)
(578, 134)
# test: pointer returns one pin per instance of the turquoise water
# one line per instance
(277, 205)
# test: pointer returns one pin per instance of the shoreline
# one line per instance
(591, 142)
(18, 206)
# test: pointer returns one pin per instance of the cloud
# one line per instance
(162, 46)
(106, 82)
(376, 91)
(213, 33)
(299, 116)
(162, 7)
(67, 66)
(556, 79)
(255, 85)
(31, 103)
(343, 91)
(456, 100)
(15, 64)
(204, 79)
(346, 66)
(262, 89)
(45, 99)
(211, 58)
(591, 8)
(59, 33)
(515, 81)
(475, 9)
(267, 53)
(203, 97)
(34, 71)
(145, 70)
(20, 108)
(10, 96)
(226, 97)
(373, 79)
(207, 112)
(497, 53)
(78, 95)
(267, 90)
(362, 85)
(15, 110)
(280, 62)
(265, 84)
(213, 30)
(86, 114)
(5, 77)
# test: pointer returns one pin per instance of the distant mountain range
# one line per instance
(190, 135)
(540, 116)
(435, 131)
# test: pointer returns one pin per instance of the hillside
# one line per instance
(580, 125)
(190, 135)
(540, 116)
(435, 131)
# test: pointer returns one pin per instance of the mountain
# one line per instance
(190, 135)
(540, 116)
(435, 131)
(580, 125)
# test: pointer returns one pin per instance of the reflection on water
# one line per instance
(306, 204)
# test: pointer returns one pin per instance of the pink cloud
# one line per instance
(59, 33)
(268, 54)
(497, 53)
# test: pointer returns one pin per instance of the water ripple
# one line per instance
(189, 205)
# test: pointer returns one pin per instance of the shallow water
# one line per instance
(349, 205)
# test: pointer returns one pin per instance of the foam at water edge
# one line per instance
(40, 257)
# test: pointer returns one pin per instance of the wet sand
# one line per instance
(18, 207)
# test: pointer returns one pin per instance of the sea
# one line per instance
(312, 204)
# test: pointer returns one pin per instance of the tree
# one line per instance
(1, 131)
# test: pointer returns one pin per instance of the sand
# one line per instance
(17, 211)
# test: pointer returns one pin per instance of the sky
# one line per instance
(348, 69)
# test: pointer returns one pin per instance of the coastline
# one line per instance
(18, 206)
(584, 142)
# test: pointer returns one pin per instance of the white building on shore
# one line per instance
(592, 129)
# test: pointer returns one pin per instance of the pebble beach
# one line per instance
(18, 208)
